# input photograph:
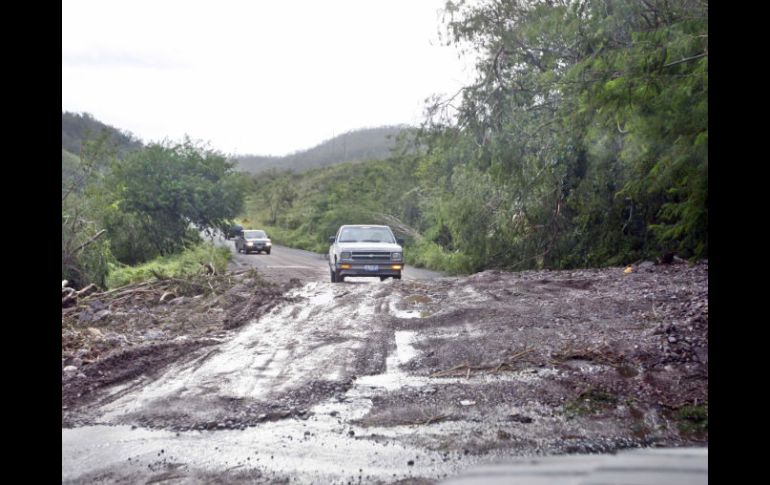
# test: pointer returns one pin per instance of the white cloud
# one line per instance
(254, 76)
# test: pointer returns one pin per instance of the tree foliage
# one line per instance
(85, 249)
(589, 122)
(130, 206)
(167, 192)
(582, 142)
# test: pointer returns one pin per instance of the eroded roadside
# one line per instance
(399, 380)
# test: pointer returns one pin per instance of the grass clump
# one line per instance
(592, 401)
(190, 262)
(692, 420)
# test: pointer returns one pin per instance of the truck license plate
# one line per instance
(370, 267)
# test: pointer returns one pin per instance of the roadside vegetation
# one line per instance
(203, 258)
(583, 142)
(124, 205)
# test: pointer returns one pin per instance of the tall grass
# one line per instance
(186, 263)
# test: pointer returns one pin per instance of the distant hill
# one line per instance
(359, 145)
(75, 127)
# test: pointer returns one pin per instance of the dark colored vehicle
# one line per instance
(253, 240)
(233, 231)
(359, 250)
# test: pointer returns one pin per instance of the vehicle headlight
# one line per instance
(395, 256)
(249, 244)
(345, 255)
(268, 243)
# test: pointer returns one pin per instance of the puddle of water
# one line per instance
(406, 314)
(394, 377)
(405, 351)
(309, 452)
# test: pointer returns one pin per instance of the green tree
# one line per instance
(85, 249)
(589, 120)
(168, 192)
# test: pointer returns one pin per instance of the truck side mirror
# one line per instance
(331, 239)
(400, 241)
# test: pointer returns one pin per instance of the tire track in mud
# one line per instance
(317, 339)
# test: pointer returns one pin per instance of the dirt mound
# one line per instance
(112, 337)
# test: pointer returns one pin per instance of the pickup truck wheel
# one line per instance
(334, 277)
(383, 278)
(397, 277)
(268, 251)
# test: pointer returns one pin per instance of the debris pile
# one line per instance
(111, 336)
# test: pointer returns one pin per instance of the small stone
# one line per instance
(102, 314)
(466, 402)
(410, 463)
(70, 369)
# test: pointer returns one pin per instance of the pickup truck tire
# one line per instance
(397, 277)
(334, 276)
(268, 251)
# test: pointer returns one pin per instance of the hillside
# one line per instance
(364, 144)
(75, 127)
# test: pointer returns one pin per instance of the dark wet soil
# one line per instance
(537, 362)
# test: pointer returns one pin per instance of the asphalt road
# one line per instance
(284, 263)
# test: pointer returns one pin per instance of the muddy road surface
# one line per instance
(409, 381)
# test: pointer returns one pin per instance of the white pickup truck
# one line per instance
(359, 250)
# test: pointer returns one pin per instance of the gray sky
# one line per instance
(259, 77)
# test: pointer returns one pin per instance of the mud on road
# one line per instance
(383, 382)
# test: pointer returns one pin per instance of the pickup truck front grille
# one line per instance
(370, 255)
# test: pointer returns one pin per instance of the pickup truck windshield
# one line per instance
(366, 234)
(254, 234)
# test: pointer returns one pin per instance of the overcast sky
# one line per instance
(255, 77)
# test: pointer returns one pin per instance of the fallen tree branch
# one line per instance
(465, 368)
(86, 291)
(686, 59)
(91, 240)
(455, 368)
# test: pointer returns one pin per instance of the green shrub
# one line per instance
(186, 263)
(432, 256)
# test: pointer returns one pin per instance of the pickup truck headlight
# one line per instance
(395, 256)
(268, 243)
(345, 255)
(249, 244)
